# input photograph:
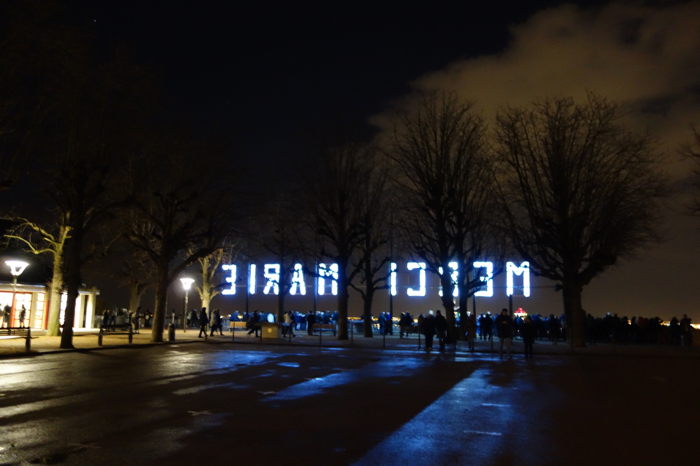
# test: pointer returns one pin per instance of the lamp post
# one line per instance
(186, 285)
(16, 269)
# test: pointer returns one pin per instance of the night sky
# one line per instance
(272, 79)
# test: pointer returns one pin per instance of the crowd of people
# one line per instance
(607, 329)
(529, 328)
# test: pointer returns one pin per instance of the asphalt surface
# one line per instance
(249, 404)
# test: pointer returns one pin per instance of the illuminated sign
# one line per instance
(415, 279)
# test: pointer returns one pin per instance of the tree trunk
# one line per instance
(282, 293)
(69, 315)
(135, 294)
(574, 315)
(73, 264)
(206, 300)
(463, 308)
(342, 301)
(280, 306)
(159, 311)
(448, 303)
(55, 294)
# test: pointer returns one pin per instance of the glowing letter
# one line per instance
(454, 276)
(421, 279)
(272, 277)
(524, 270)
(488, 292)
(327, 271)
(230, 279)
(392, 278)
(298, 280)
(251, 279)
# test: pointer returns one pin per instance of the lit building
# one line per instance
(35, 300)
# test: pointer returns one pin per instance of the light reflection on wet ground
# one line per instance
(168, 404)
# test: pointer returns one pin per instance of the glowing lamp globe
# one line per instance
(16, 267)
(186, 283)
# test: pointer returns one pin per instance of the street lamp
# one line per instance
(186, 285)
(16, 269)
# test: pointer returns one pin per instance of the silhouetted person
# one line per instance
(22, 316)
(217, 323)
(254, 324)
(203, 321)
(441, 329)
(674, 329)
(289, 323)
(310, 321)
(471, 331)
(554, 328)
(6, 312)
(105, 319)
(528, 332)
(428, 330)
(488, 327)
(686, 331)
(504, 328)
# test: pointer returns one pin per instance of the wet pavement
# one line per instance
(224, 403)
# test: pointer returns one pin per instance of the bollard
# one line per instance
(28, 342)
(171, 332)
(99, 338)
(131, 335)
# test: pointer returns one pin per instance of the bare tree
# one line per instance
(181, 216)
(280, 239)
(445, 180)
(579, 191)
(208, 289)
(336, 214)
(137, 274)
(373, 249)
(209, 266)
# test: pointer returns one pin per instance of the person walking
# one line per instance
(217, 324)
(471, 331)
(203, 321)
(528, 332)
(428, 330)
(310, 321)
(289, 323)
(254, 324)
(504, 328)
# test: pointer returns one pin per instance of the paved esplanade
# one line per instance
(228, 403)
